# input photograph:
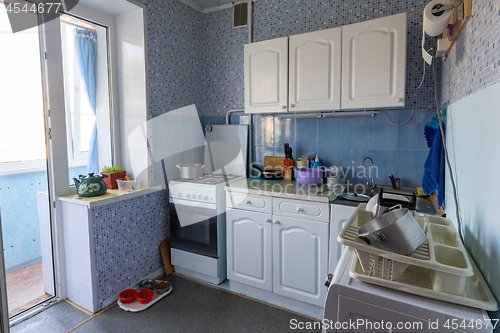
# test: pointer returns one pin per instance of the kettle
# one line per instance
(90, 186)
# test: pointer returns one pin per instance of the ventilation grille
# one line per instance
(240, 14)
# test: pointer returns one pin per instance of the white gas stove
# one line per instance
(198, 206)
(198, 226)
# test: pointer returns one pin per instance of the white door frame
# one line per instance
(4, 312)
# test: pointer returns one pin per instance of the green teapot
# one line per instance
(90, 186)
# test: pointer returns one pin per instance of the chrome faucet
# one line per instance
(372, 183)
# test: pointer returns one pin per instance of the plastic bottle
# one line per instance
(316, 163)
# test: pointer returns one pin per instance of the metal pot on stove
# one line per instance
(190, 171)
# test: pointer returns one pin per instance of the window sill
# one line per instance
(109, 197)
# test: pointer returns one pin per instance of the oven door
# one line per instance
(193, 227)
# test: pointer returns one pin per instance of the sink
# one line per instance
(355, 197)
(358, 193)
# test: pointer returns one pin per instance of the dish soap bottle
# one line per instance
(316, 163)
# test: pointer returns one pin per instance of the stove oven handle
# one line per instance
(194, 204)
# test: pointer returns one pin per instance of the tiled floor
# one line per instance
(190, 307)
(25, 288)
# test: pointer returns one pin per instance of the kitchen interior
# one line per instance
(265, 135)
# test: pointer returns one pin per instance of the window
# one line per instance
(22, 136)
(80, 118)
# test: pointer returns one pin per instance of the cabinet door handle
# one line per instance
(328, 280)
(292, 105)
(399, 99)
(276, 222)
(299, 210)
(268, 220)
(283, 107)
(248, 202)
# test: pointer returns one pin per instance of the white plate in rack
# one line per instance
(418, 281)
(135, 306)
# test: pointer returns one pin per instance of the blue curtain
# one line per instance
(86, 53)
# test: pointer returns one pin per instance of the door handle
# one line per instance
(299, 210)
(268, 220)
(283, 107)
(328, 280)
(276, 222)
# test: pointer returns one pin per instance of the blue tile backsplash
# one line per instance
(347, 141)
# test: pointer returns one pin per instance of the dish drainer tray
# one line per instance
(135, 306)
(418, 281)
(442, 252)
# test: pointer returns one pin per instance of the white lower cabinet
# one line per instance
(282, 255)
(300, 259)
(249, 250)
(339, 215)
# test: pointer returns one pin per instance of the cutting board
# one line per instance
(273, 163)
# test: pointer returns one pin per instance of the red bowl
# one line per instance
(128, 295)
(141, 296)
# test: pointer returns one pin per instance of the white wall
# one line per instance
(473, 137)
(132, 93)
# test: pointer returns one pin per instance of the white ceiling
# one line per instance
(111, 7)
(204, 4)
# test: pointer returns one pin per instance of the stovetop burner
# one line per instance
(209, 178)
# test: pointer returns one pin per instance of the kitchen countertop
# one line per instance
(284, 189)
(109, 197)
(293, 190)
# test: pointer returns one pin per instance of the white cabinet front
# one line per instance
(249, 257)
(374, 63)
(314, 74)
(301, 209)
(249, 202)
(300, 259)
(339, 216)
(266, 76)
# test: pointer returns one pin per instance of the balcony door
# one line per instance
(27, 258)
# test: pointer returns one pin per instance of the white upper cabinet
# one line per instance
(358, 66)
(314, 70)
(374, 63)
(266, 76)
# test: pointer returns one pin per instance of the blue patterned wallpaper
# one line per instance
(175, 55)
(223, 64)
(275, 19)
(474, 61)
(127, 237)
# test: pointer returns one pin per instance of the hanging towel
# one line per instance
(430, 130)
(434, 169)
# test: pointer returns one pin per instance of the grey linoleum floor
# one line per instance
(190, 307)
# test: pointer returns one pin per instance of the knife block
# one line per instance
(288, 175)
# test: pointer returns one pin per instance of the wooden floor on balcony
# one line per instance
(25, 288)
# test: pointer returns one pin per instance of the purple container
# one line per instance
(309, 176)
